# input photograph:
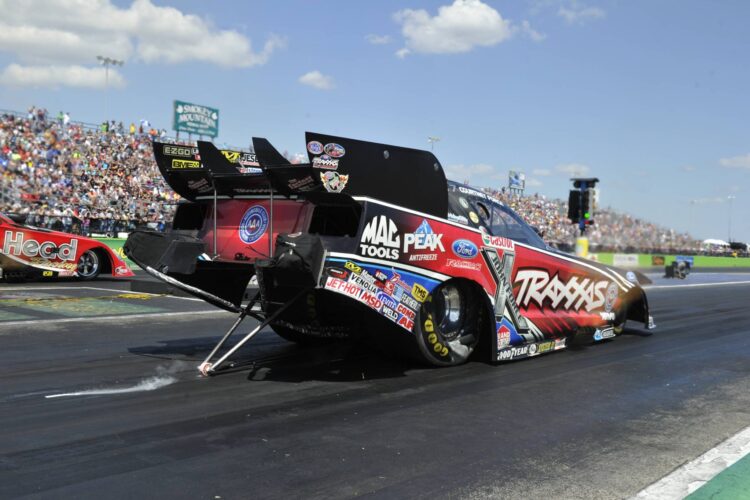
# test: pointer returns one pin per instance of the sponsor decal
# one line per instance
(186, 152)
(462, 201)
(333, 181)
(498, 242)
(253, 224)
(387, 300)
(424, 238)
(465, 249)
(249, 160)
(120, 270)
(560, 343)
(630, 276)
(402, 309)
(334, 150)
(406, 323)
(183, 164)
(611, 297)
(607, 316)
(503, 337)
(409, 302)
(419, 257)
(419, 292)
(364, 281)
(301, 184)
(380, 275)
(352, 267)
(200, 185)
(604, 333)
(232, 156)
(474, 217)
(510, 353)
(325, 162)
(380, 239)
(537, 286)
(472, 192)
(338, 273)
(315, 147)
(545, 347)
(389, 313)
(463, 264)
(457, 218)
(48, 274)
(17, 244)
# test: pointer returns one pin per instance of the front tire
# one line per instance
(448, 325)
(89, 265)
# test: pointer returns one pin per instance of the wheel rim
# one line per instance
(88, 264)
(447, 337)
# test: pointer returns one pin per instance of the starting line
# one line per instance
(699, 472)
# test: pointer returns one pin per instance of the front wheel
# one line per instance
(448, 325)
(88, 265)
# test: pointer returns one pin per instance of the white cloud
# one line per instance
(530, 32)
(65, 33)
(688, 168)
(576, 12)
(456, 28)
(55, 76)
(542, 172)
(462, 173)
(378, 39)
(736, 162)
(573, 169)
(317, 80)
(532, 182)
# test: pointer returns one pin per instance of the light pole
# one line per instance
(107, 62)
(730, 198)
(432, 140)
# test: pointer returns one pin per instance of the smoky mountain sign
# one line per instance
(196, 119)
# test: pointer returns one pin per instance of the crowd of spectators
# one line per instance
(612, 231)
(63, 175)
(103, 179)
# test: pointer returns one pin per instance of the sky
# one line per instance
(650, 97)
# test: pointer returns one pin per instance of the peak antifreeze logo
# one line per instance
(16, 244)
(423, 239)
(380, 239)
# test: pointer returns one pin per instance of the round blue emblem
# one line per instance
(253, 224)
(465, 249)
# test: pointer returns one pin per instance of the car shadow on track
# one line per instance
(277, 360)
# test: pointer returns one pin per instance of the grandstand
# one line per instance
(103, 179)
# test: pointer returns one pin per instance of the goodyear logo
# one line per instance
(419, 292)
(232, 156)
(182, 164)
(353, 267)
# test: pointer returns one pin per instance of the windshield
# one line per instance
(505, 222)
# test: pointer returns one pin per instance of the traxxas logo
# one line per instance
(380, 239)
(16, 244)
(577, 293)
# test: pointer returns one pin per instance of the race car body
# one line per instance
(30, 252)
(370, 238)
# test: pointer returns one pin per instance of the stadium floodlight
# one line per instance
(107, 62)
(432, 140)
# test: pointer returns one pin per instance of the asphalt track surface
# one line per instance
(602, 421)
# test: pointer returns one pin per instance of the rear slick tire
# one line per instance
(448, 325)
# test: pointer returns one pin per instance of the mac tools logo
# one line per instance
(380, 239)
(423, 239)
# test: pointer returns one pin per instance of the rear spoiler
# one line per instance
(338, 166)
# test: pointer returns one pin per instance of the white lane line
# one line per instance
(122, 317)
(149, 384)
(31, 288)
(695, 474)
(692, 285)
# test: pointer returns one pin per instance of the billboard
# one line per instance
(516, 180)
(196, 119)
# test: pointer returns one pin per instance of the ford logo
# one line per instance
(465, 249)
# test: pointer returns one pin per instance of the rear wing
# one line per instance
(410, 178)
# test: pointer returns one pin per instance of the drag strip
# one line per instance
(336, 421)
